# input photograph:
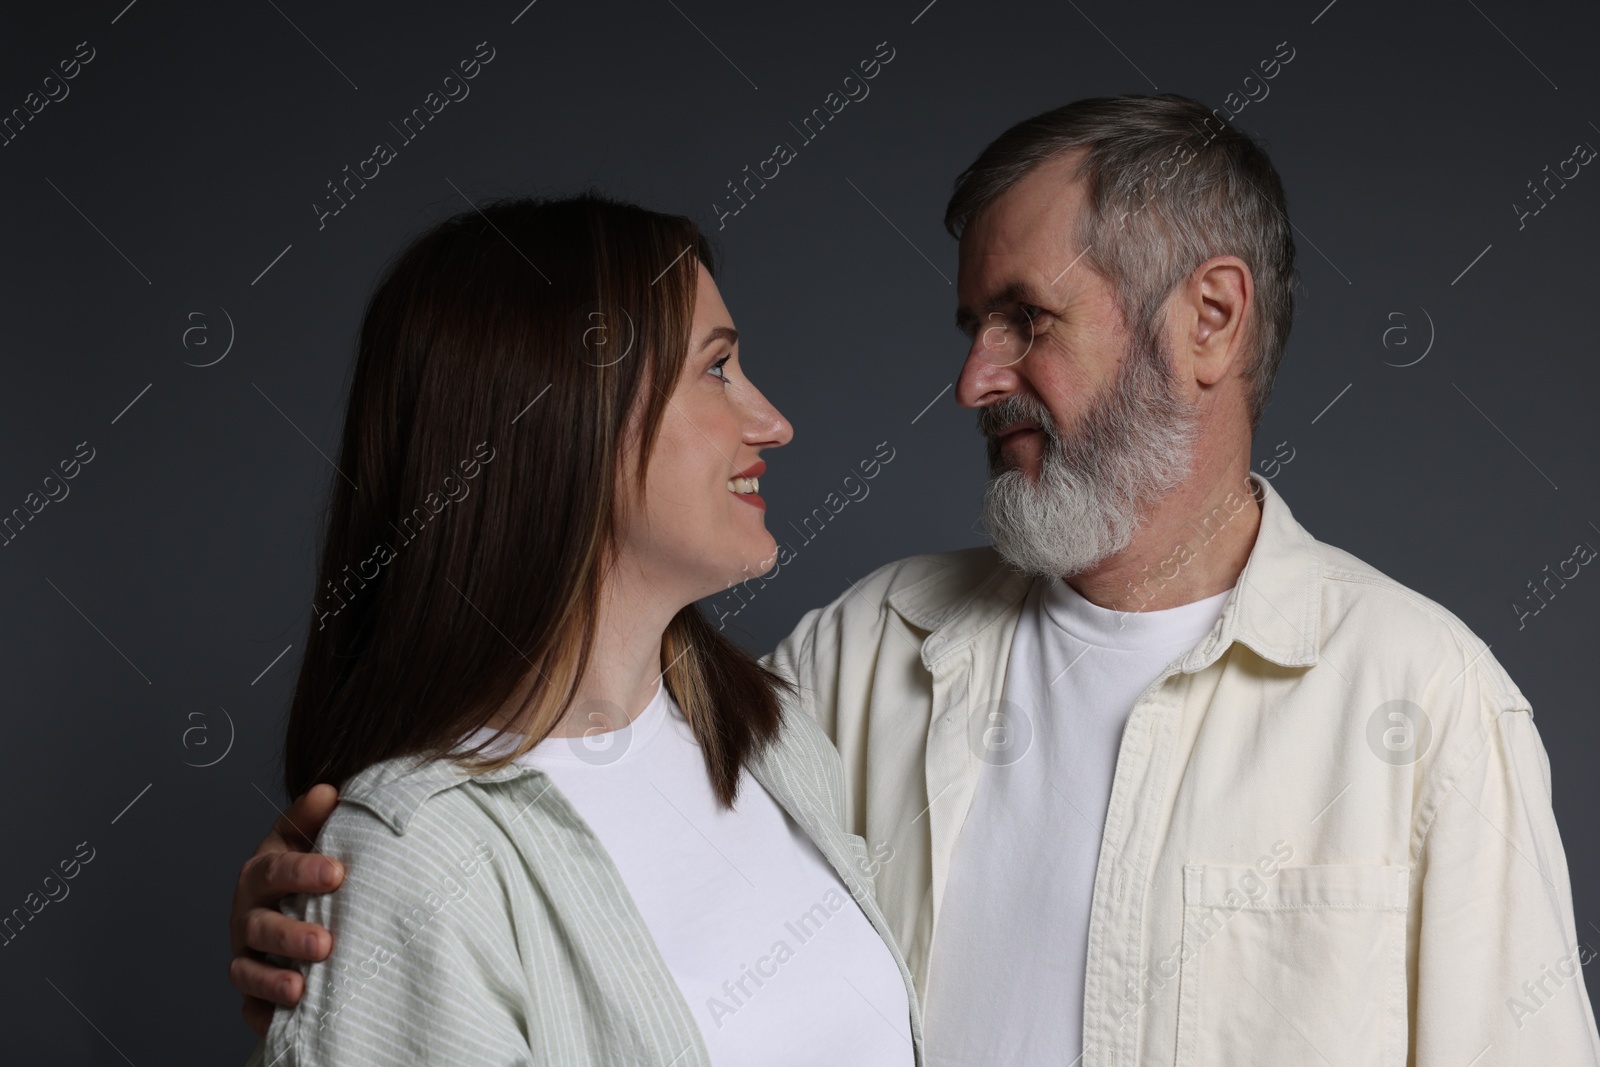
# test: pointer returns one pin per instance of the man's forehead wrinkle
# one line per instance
(1031, 249)
(1012, 234)
(1014, 248)
(1009, 293)
(1036, 219)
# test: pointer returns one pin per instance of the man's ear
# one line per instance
(1218, 300)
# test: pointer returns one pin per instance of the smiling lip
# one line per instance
(755, 470)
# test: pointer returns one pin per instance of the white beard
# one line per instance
(1133, 444)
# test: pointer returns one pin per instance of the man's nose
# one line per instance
(991, 370)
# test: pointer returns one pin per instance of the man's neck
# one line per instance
(1193, 546)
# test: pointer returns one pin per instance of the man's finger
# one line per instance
(299, 825)
(264, 880)
(267, 878)
(257, 1015)
(269, 930)
(271, 985)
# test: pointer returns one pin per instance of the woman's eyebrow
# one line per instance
(727, 333)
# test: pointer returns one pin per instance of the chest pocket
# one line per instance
(1306, 966)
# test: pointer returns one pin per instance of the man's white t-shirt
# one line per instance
(1007, 963)
(776, 960)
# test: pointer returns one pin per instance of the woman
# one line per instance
(579, 825)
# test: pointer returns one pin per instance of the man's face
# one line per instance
(1086, 425)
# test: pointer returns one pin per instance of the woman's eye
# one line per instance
(716, 368)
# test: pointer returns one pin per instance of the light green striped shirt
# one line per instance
(481, 921)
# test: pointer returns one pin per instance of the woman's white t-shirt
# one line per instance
(777, 962)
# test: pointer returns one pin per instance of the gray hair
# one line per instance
(1213, 191)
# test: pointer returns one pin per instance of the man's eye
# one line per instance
(1030, 312)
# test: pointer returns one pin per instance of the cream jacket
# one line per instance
(1330, 837)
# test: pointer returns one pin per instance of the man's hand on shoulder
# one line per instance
(284, 863)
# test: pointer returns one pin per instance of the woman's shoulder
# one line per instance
(425, 855)
(427, 949)
(405, 821)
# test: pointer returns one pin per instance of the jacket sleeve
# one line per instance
(424, 967)
(1499, 965)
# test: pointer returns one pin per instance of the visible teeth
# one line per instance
(744, 485)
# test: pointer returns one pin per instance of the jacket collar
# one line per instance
(1275, 607)
(394, 789)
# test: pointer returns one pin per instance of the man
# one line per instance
(1158, 778)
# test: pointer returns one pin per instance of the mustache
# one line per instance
(996, 417)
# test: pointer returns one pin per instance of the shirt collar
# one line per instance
(1275, 607)
(394, 789)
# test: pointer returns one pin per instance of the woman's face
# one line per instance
(700, 531)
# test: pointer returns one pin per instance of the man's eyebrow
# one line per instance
(1011, 293)
(720, 333)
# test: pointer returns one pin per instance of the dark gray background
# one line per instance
(148, 613)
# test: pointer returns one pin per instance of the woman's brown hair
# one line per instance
(504, 359)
